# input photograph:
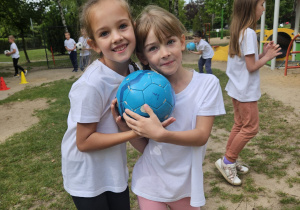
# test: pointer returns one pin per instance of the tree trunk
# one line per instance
(170, 5)
(176, 13)
(24, 46)
(62, 15)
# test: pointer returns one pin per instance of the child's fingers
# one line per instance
(168, 121)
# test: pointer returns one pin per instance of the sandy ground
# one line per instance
(19, 116)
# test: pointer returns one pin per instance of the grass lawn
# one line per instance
(30, 167)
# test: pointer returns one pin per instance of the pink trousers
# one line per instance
(246, 123)
(183, 204)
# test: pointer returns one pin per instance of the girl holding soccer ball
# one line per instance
(169, 173)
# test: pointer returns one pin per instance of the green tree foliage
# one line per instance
(16, 14)
(286, 12)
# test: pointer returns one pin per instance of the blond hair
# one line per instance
(243, 17)
(85, 15)
(162, 22)
(11, 37)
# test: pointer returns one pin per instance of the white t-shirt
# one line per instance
(16, 54)
(169, 172)
(88, 174)
(70, 44)
(243, 85)
(207, 50)
(85, 45)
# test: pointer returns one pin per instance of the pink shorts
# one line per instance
(184, 203)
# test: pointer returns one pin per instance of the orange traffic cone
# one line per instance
(3, 85)
(23, 79)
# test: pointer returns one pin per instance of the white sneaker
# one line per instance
(228, 171)
(241, 169)
(25, 72)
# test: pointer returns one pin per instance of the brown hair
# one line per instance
(243, 17)
(161, 21)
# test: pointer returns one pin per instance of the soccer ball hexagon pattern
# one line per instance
(146, 87)
(79, 46)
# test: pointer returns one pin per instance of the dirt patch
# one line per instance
(19, 116)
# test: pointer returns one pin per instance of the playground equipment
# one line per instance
(284, 37)
(289, 52)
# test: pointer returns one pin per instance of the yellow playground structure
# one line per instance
(285, 36)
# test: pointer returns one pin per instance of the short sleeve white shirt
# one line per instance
(83, 40)
(70, 43)
(13, 46)
(88, 174)
(243, 85)
(207, 50)
(169, 172)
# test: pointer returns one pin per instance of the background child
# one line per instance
(169, 173)
(205, 51)
(244, 83)
(70, 46)
(94, 165)
(85, 52)
(15, 55)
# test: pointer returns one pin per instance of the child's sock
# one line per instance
(227, 161)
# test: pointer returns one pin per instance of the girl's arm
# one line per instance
(270, 51)
(196, 52)
(152, 128)
(88, 139)
(138, 143)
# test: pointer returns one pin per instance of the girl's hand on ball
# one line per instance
(121, 123)
(147, 127)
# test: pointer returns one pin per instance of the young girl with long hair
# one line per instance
(169, 173)
(94, 165)
(244, 84)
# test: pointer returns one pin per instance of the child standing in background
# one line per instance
(244, 83)
(70, 46)
(169, 173)
(205, 51)
(85, 51)
(15, 55)
(94, 162)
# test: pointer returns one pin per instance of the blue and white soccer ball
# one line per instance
(6, 51)
(191, 46)
(146, 87)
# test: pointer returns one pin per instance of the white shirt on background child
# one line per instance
(243, 85)
(207, 51)
(85, 45)
(88, 174)
(13, 46)
(169, 172)
(70, 43)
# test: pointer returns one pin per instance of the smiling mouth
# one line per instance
(167, 63)
(120, 48)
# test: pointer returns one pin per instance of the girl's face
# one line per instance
(113, 32)
(165, 57)
(10, 40)
(259, 9)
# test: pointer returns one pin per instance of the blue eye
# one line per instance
(123, 26)
(171, 41)
(102, 34)
(152, 49)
